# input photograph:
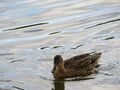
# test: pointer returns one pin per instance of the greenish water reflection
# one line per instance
(59, 84)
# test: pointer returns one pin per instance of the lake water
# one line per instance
(32, 32)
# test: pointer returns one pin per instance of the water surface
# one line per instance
(32, 32)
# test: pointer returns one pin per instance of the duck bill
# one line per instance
(54, 68)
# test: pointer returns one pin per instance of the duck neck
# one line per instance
(61, 67)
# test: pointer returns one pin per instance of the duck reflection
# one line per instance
(59, 84)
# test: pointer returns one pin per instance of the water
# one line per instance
(32, 32)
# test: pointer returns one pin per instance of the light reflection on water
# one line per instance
(32, 32)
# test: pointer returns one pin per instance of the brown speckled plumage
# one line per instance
(80, 65)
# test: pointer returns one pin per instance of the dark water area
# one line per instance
(32, 32)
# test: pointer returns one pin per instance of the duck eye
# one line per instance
(56, 61)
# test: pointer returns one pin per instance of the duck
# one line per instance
(79, 65)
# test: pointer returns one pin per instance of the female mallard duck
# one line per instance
(80, 65)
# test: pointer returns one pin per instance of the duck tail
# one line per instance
(95, 58)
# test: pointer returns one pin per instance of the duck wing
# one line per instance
(76, 61)
(77, 58)
(81, 61)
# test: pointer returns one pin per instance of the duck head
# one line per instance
(58, 63)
